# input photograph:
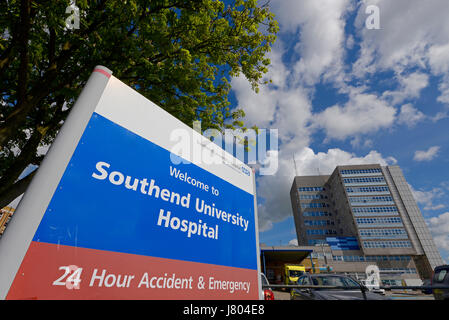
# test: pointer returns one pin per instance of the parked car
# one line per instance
(267, 292)
(371, 288)
(440, 279)
(354, 291)
(427, 283)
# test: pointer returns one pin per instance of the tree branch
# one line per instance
(15, 190)
(24, 33)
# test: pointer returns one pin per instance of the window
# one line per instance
(366, 189)
(310, 189)
(304, 281)
(329, 281)
(361, 171)
(358, 200)
(383, 233)
(320, 232)
(351, 283)
(317, 214)
(378, 221)
(312, 196)
(366, 211)
(388, 282)
(441, 275)
(295, 273)
(364, 180)
(387, 244)
(398, 270)
(311, 223)
(314, 205)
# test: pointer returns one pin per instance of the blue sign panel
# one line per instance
(121, 193)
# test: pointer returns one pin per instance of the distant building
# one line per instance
(366, 214)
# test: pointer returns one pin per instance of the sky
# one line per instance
(343, 93)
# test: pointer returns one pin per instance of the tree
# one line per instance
(177, 53)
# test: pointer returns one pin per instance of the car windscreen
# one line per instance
(440, 275)
(296, 273)
(329, 281)
(351, 283)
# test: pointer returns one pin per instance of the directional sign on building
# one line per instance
(115, 212)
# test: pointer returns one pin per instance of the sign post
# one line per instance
(116, 212)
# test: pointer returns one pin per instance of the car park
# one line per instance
(346, 288)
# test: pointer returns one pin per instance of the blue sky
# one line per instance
(344, 94)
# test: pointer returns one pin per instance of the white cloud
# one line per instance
(439, 227)
(278, 106)
(357, 142)
(363, 113)
(408, 39)
(426, 155)
(350, 42)
(410, 116)
(293, 242)
(427, 198)
(436, 207)
(438, 58)
(410, 86)
(322, 37)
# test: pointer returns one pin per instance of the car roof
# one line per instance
(445, 266)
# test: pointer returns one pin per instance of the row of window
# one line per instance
(320, 232)
(387, 244)
(370, 199)
(391, 282)
(317, 214)
(371, 258)
(382, 232)
(302, 189)
(375, 210)
(364, 180)
(382, 220)
(311, 223)
(361, 171)
(389, 237)
(314, 205)
(400, 270)
(312, 196)
(367, 189)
